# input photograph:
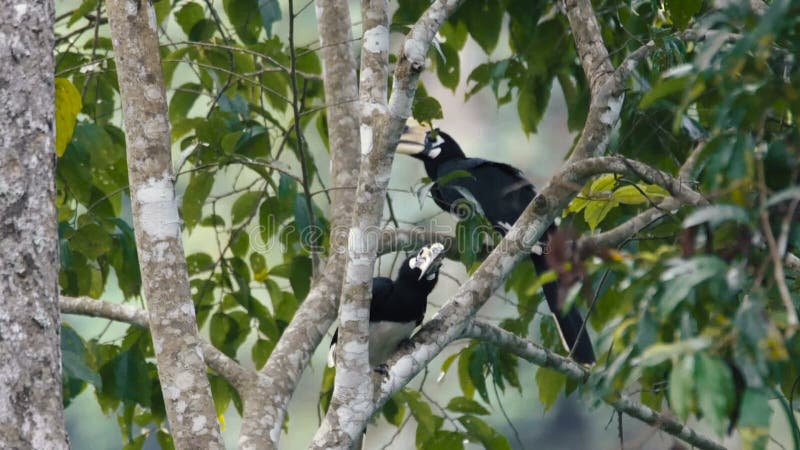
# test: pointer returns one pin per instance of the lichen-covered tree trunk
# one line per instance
(31, 413)
(181, 369)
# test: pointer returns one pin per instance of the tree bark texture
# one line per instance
(181, 369)
(31, 413)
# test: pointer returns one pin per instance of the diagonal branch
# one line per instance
(544, 358)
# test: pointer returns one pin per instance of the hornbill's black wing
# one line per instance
(381, 291)
(503, 193)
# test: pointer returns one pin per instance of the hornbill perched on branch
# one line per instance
(398, 306)
(503, 193)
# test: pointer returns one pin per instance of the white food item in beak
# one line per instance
(429, 258)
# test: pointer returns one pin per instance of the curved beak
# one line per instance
(430, 259)
(412, 141)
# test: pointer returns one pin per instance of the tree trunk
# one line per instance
(165, 280)
(31, 412)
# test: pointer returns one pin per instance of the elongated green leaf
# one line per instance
(68, 105)
(195, 197)
(550, 384)
(244, 206)
(482, 432)
(681, 387)
(715, 391)
(467, 406)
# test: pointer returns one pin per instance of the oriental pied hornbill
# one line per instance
(398, 306)
(503, 193)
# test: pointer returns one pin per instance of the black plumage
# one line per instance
(503, 193)
(398, 306)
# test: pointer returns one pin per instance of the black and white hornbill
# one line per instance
(503, 193)
(398, 306)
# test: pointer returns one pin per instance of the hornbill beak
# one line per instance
(429, 259)
(412, 141)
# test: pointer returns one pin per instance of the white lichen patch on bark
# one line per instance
(158, 208)
(611, 115)
(376, 39)
(366, 139)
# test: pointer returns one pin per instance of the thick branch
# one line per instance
(86, 306)
(623, 166)
(544, 358)
(352, 393)
(263, 419)
(381, 126)
(629, 228)
(589, 42)
(181, 369)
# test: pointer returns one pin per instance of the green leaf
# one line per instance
(68, 105)
(445, 440)
(455, 34)
(482, 432)
(448, 69)
(530, 108)
(199, 262)
(467, 406)
(91, 240)
(550, 384)
(240, 243)
(682, 278)
(714, 215)
(74, 358)
(258, 264)
(182, 101)
(665, 87)
(127, 377)
(222, 392)
(189, 15)
(464, 379)
(223, 331)
(164, 438)
(270, 12)
(244, 18)
(597, 210)
(715, 391)
(195, 197)
(244, 206)
(681, 11)
(421, 411)
(660, 352)
(426, 110)
(681, 387)
(136, 444)
(477, 374)
(300, 276)
(484, 18)
(261, 351)
(640, 194)
(755, 416)
(394, 411)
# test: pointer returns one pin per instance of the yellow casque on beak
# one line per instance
(412, 141)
